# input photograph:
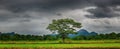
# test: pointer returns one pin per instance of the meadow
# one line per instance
(76, 44)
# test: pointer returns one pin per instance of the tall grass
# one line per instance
(70, 44)
(59, 41)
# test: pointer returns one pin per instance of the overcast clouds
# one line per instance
(33, 16)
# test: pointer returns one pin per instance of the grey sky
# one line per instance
(33, 16)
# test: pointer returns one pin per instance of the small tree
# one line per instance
(64, 27)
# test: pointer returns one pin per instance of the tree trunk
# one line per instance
(63, 39)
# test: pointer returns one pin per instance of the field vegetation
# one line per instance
(71, 44)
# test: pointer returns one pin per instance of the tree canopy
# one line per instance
(64, 26)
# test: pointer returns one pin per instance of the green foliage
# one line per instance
(109, 36)
(64, 27)
(49, 37)
(18, 37)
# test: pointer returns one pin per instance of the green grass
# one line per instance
(56, 44)
(57, 41)
(61, 45)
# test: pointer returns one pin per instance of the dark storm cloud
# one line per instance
(23, 5)
(105, 9)
(17, 8)
(103, 6)
(102, 12)
(6, 15)
(104, 3)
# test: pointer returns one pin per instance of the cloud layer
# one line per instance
(33, 16)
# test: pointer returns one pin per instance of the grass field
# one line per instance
(55, 44)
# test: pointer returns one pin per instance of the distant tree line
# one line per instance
(18, 37)
(109, 36)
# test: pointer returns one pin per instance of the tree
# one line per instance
(113, 35)
(64, 27)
